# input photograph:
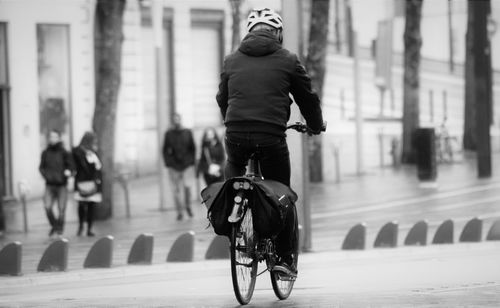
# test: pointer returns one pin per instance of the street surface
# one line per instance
(454, 275)
(459, 275)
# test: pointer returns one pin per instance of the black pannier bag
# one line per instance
(269, 201)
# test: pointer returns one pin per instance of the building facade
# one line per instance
(47, 78)
(47, 72)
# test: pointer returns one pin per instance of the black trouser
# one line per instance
(274, 160)
(86, 213)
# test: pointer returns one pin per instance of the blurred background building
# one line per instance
(47, 76)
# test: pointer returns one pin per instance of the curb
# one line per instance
(54, 278)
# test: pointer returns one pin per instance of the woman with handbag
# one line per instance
(87, 180)
(211, 158)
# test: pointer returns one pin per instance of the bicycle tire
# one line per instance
(283, 288)
(243, 261)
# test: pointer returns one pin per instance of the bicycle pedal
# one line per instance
(285, 277)
(284, 273)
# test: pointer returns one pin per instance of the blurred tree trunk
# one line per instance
(2, 172)
(2, 216)
(482, 86)
(411, 79)
(469, 138)
(315, 63)
(108, 40)
(336, 27)
(235, 11)
(349, 29)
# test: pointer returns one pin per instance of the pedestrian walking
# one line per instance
(178, 155)
(212, 157)
(88, 180)
(56, 166)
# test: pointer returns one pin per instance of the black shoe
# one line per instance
(80, 231)
(190, 213)
(90, 233)
(179, 217)
(286, 265)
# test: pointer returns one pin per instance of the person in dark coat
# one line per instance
(254, 99)
(56, 166)
(212, 157)
(178, 154)
(88, 181)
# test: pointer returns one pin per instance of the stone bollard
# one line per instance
(417, 234)
(444, 233)
(10, 259)
(122, 178)
(494, 233)
(395, 152)
(183, 248)
(472, 231)
(301, 237)
(55, 257)
(142, 250)
(380, 137)
(336, 158)
(24, 190)
(101, 254)
(218, 249)
(387, 236)
(355, 238)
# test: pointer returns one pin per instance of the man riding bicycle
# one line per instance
(254, 99)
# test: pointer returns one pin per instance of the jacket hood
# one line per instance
(259, 43)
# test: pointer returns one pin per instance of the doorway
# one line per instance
(206, 31)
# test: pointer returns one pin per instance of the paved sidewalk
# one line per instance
(376, 185)
(461, 275)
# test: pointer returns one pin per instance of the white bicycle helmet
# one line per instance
(265, 16)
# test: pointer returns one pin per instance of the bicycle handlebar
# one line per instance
(303, 128)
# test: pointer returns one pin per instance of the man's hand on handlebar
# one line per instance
(303, 128)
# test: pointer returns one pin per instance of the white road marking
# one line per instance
(404, 202)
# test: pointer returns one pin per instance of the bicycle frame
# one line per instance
(248, 251)
(265, 249)
(240, 203)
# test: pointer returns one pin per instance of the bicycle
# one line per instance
(246, 248)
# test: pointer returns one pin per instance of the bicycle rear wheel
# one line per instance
(243, 261)
(282, 284)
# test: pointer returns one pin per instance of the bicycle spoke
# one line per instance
(243, 265)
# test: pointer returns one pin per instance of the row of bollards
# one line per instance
(417, 235)
(100, 255)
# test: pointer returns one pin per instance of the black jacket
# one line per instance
(54, 160)
(216, 156)
(255, 85)
(178, 148)
(85, 171)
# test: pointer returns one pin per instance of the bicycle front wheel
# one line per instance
(243, 260)
(282, 284)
